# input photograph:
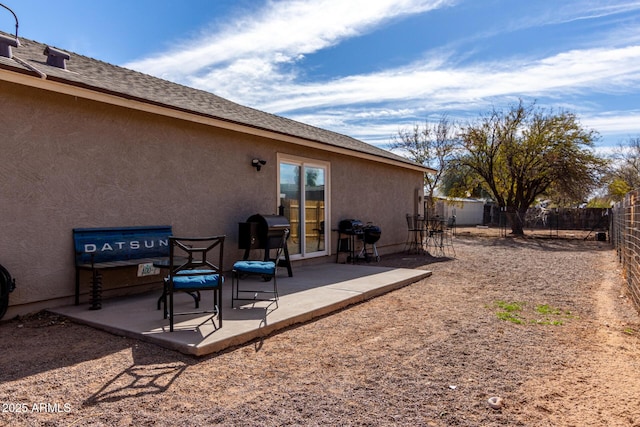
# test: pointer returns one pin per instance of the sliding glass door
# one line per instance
(304, 194)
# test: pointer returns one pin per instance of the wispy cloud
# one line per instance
(599, 70)
(254, 60)
(625, 124)
(578, 10)
(279, 33)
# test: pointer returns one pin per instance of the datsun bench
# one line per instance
(118, 247)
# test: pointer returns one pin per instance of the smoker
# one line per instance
(264, 232)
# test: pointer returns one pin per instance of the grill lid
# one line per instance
(371, 234)
(350, 226)
(269, 222)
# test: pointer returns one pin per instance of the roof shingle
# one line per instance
(104, 77)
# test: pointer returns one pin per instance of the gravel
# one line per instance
(542, 326)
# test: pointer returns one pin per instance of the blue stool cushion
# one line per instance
(183, 280)
(256, 267)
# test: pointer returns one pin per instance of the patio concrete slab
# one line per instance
(313, 291)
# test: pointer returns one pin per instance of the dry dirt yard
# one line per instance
(544, 325)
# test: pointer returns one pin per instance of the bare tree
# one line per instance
(624, 174)
(430, 144)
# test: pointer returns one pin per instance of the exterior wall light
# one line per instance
(257, 163)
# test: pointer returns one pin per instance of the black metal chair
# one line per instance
(451, 224)
(440, 237)
(195, 265)
(267, 270)
(449, 232)
(415, 234)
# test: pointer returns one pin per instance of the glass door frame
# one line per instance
(303, 163)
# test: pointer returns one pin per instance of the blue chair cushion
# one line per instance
(185, 280)
(256, 267)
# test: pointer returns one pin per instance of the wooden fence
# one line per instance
(314, 217)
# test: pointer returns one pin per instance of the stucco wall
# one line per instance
(69, 162)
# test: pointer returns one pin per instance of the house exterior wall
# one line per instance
(69, 162)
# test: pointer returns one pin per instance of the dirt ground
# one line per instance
(543, 326)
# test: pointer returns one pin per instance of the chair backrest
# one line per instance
(282, 243)
(196, 253)
(436, 224)
(412, 222)
(451, 222)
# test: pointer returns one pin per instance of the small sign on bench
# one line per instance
(147, 269)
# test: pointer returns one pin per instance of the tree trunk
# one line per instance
(516, 219)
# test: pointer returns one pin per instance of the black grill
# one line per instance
(264, 232)
(350, 226)
(371, 234)
(351, 231)
(7, 285)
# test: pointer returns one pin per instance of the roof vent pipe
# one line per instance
(5, 45)
(56, 58)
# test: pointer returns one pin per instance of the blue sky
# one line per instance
(367, 68)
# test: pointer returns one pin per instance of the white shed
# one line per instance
(467, 211)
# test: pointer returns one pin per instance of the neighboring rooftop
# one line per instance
(88, 73)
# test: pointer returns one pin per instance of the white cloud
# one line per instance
(244, 61)
(253, 60)
(569, 11)
(281, 32)
(438, 85)
(625, 123)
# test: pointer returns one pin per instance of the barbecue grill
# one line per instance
(370, 236)
(350, 226)
(264, 232)
(351, 230)
(348, 230)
